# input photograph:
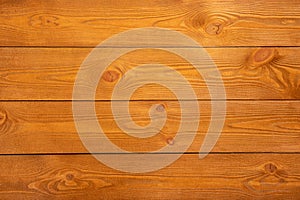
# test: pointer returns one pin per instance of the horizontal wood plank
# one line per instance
(247, 73)
(230, 176)
(250, 126)
(211, 23)
(254, 44)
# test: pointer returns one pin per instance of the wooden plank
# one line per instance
(211, 23)
(250, 126)
(248, 73)
(230, 176)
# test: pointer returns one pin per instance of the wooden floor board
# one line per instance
(211, 23)
(231, 176)
(48, 127)
(247, 73)
(255, 46)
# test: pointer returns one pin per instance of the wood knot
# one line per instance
(289, 21)
(170, 141)
(64, 181)
(69, 177)
(214, 28)
(215, 23)
(262, 56)
(160, 108)
(44, 21)
(270, 168)
(110, 76)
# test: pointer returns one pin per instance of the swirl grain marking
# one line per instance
(63, 181)
(270, 179)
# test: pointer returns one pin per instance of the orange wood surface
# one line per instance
(255, 46)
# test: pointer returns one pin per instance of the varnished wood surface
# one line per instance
(228, 176)
(250, 126)
(211, 23)
(247, 73)
(254, 44)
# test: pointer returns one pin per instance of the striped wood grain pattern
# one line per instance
(248, 73)
(255, 45)
(225, 176)
(211, 23)
(250, 126)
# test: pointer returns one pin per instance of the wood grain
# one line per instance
(248, 73)
(211, 23)
(229, 176)
(250, 126)
(254, 44)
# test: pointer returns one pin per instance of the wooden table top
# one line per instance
(255, 46)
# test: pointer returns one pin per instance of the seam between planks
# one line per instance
(133, 153)
(137, 100)
(88, 47)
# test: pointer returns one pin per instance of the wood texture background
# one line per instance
(256, 47)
